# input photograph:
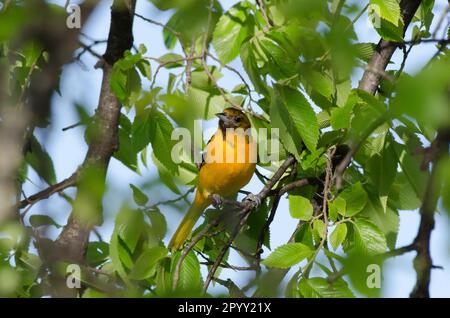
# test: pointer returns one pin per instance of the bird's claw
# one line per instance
(217, 201)
(256, 200)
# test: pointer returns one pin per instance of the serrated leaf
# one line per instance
(295, 117)
(190, 278)
(160, 137)
(144, 267)
(388, 10)
(368, 238)
(288, 255)
(365, 51)
(355, 199)
(318, 287)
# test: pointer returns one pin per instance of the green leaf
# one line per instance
(338, 235)
(383, 215)
(160, 132)
(190, 278)
(365, 51)
(386, 18)
(171, 60)
(335, 207)
(144, 267)
(402, 195)
(190, 21)
(37, 220)
(97, 253)
(424, 97)
(40, 161)
(304, 235)
(388, 10)
(130, 224)
(318, 287)
(145, 69)
(250, 64)
(201, 80)
(368, 238)
(139, 197)
(340, 116)
(159, 224)
(231, 30)
(355, 198)
(126, 153)
(319, 230)
(288, 255)
(300, 207)
(125, 80)
(382, 168)
(295, 117)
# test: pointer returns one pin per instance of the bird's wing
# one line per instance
(203, 155)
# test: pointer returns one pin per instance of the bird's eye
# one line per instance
(238, 119)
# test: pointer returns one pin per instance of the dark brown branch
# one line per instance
(372, 76)
(249, 205)
(400, 251)
(72, 242)
(44, 194)
(423, 262)
(385, 50)
(265, 229)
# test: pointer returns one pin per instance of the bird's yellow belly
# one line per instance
(225, 179)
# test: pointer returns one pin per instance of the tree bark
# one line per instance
(72, 242)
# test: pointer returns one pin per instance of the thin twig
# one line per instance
(44, 194)
(166, 27)
(245, 212)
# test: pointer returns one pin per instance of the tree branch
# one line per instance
(249, 205)
(385, 50)
(72, 242)
(19, 117)
(44, 194)
(423, 262)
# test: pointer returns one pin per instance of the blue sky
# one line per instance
(81, 84)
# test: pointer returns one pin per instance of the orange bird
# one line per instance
(228, 165)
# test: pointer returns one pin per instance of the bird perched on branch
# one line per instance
(228, 165)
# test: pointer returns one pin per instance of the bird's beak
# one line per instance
(223, 117)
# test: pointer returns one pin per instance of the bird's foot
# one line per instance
(256, 200)
(217, 200)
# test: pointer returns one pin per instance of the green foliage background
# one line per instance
(298, 59)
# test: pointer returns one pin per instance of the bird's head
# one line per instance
(233, 118)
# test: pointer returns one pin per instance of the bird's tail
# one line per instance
(188, 222)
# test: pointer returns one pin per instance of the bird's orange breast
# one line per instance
(229, 164)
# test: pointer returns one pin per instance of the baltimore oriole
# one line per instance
(221, 175)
